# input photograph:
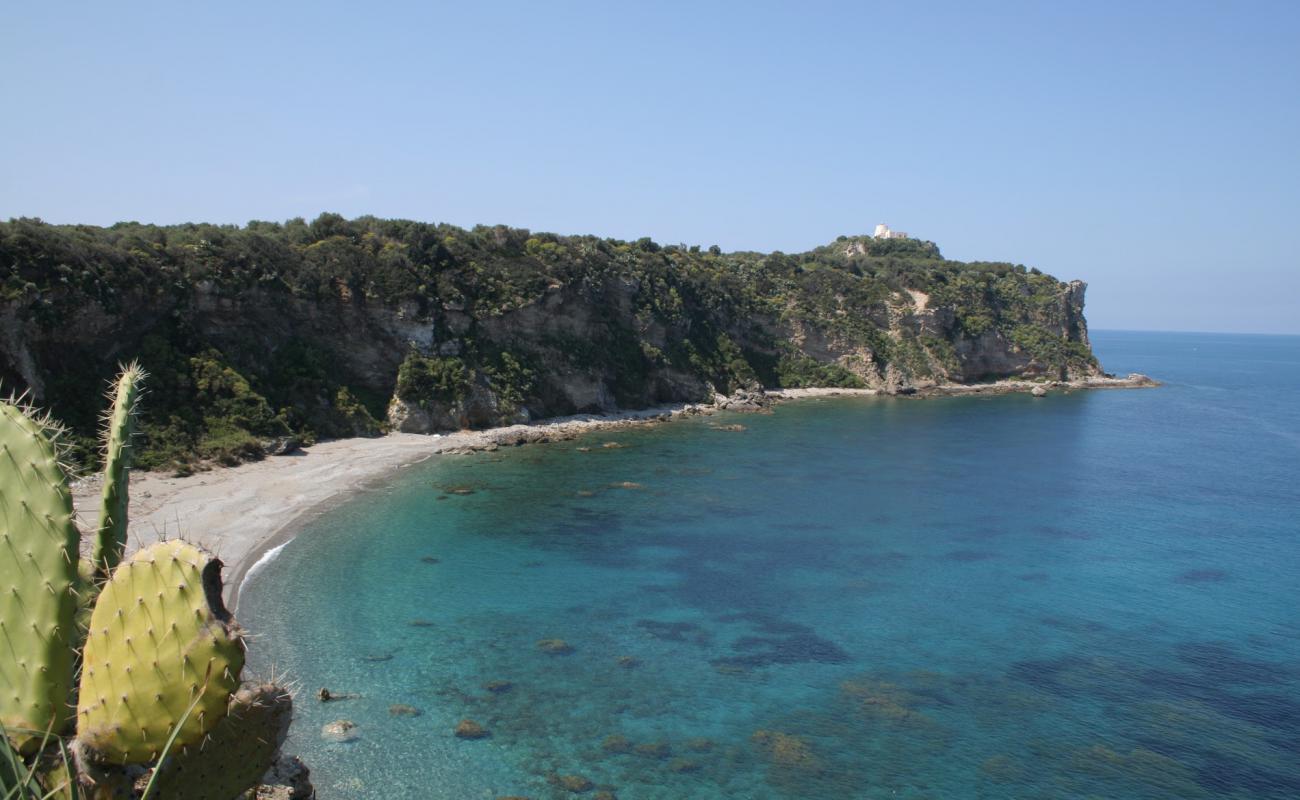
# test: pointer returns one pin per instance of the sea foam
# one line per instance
(261, 563)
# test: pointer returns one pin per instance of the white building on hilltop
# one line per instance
(883, 232)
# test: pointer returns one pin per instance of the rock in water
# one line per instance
(555, 647)
(469, 729)
(340, 730)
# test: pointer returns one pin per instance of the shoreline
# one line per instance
(241, 513)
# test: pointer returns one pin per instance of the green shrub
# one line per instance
(423, 380)
(800, 372)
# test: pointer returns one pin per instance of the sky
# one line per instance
(1151, 149)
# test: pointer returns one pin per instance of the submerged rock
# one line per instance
(786, 750)
(554, 647)
(469, 729)
(340, 730)
(629, 662)
(616, 743)
(498, 687)
(659, 750)
(573, 783)
(403, 710)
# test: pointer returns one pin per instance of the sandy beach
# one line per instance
(241, 512)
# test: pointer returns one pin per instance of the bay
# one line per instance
(1089, 594)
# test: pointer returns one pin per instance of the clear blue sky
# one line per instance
(1152, 149)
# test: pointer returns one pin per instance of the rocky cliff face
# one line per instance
(253, 334)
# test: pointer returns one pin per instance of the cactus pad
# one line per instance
(236, 754)
(38, 582)
(160, 641)
(119, 430)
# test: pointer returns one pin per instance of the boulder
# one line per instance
(340, 730)
(287, 779)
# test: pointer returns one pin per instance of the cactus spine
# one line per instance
(110, 539)
(160, 669)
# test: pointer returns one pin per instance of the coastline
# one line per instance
(241, 513)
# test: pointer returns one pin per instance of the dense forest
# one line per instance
(259, 334)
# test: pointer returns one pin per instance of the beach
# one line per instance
(240, 513)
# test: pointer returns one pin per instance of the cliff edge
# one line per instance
(267, 334)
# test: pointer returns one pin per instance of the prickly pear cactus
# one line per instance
(38, 582)
(236, 754)
(162, 655)
(110, 538)
(160, 641)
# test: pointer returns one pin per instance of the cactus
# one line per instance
(160, 670)
(238, 752)
(159, 639)
(119, 430)
(38, 578)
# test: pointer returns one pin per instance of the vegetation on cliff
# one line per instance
(307, 329)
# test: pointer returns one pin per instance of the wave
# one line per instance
(260, 563)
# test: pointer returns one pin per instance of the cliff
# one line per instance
(259, 334)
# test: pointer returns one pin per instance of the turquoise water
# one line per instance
(1089, 595)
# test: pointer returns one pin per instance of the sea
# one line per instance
(1094, 594)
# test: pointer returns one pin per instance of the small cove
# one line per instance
(872, 597)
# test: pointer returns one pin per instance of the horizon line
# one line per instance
(1092, 329)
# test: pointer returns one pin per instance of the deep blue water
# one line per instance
(1087, 595)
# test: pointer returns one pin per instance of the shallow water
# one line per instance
(1092, 594)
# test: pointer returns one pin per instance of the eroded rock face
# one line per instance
(480, 408)
(594, 337)
(927, 346)
(991, 356)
